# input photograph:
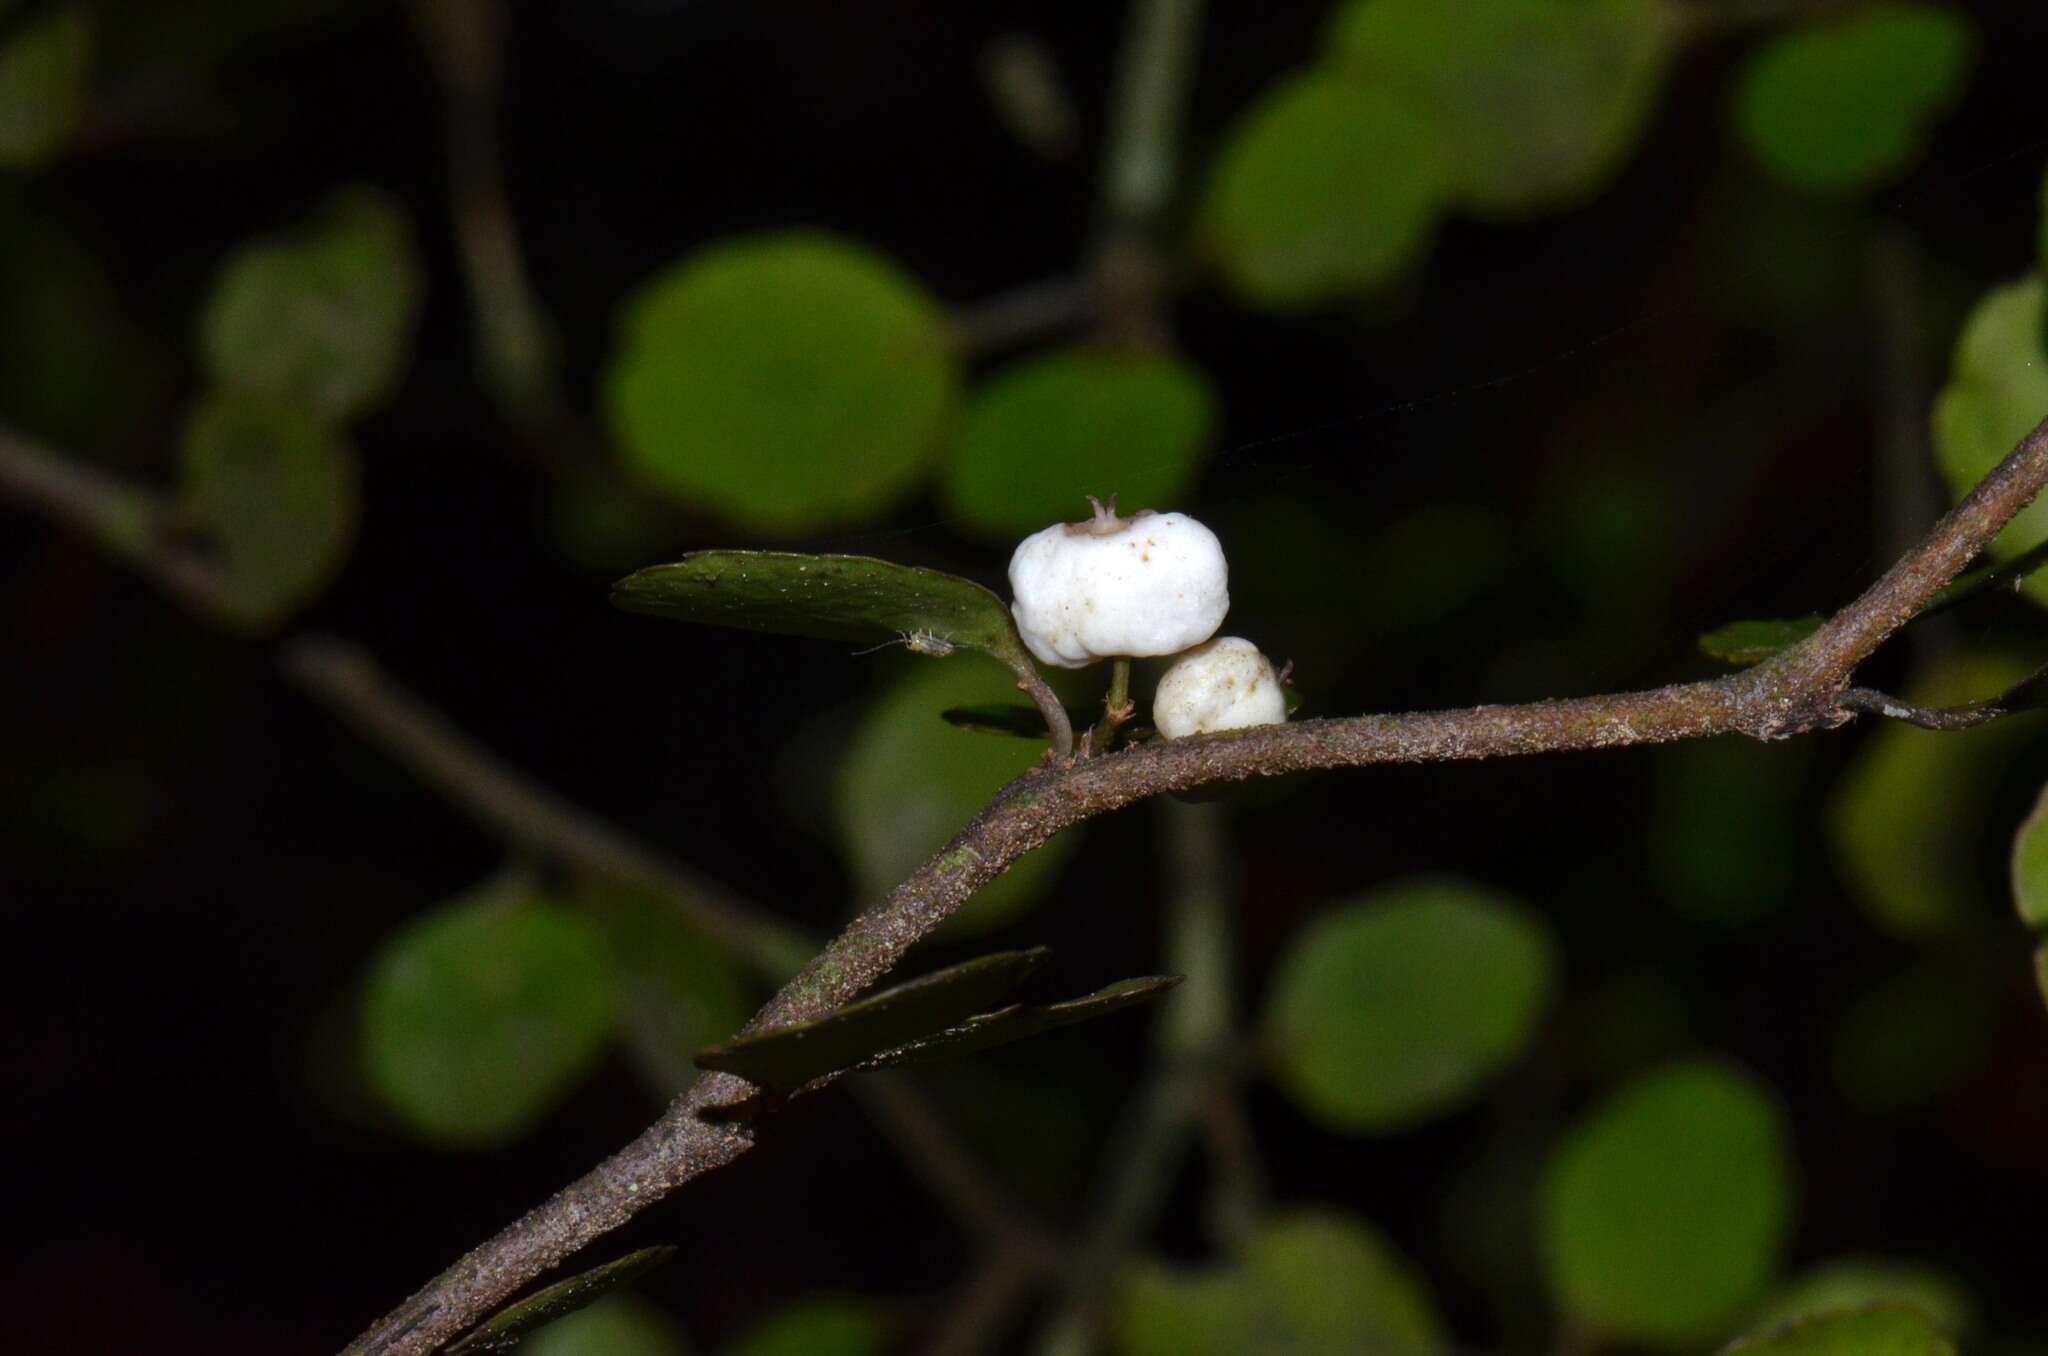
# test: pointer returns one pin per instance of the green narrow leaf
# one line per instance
(1021, 1021)
(1045, 432)
(1322, 189)
(910, 782)
(479, 1015)
(1398, 1006)
(1880, 1330)
(1857, 1283)
(1842, 106)
(502, 1330)
(275, 488)
(1540, 101)
(45, 74)
(2030, 866)
(834, 1326)
(791, 1056)
(322, 317)
(1752, 642)
(1997, 391)
(1663, 1211)
(785, 382)
(844, 598)
(1310, 1282)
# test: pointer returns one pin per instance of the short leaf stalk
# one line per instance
(1117, 707)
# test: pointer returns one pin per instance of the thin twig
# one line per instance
(953, 1175)
(516, 342)
(1797, 692)
(982, 1307)
(1030, 313)
(348, 681)
(1193, 1035)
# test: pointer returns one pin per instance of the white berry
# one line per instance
(1118, 588)
(1223, 685)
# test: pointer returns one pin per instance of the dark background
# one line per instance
(1539, 469)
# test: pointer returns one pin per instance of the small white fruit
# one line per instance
(1223, 685)
(1118, 588)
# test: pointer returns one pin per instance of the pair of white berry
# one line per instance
(1132, 588)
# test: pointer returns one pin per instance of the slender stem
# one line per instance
(952, 1174)
(983, 1307)
(1142, 161)
(1031, 682)
(1116, 707)
(1027, 314)
(1798, 692)
(1194, 1036)
(517, 343)
(348, 680)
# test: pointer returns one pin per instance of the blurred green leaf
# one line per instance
(480, 1014)
(1857, 1283)
(1322, 189)
(1664, 1210)
(619, 1326)
(45, 74)
(503, 1330)
(1310, 1283)
(322, 317)
(681, 990)
(1047, 431)
(1540, 101)
(910, 782)
(1396, 1007)
(791, 1056)
(1843, 105)
(1881, 1330)
(1752, 642)
(785, 382)
(847, 598)
(2030, 866)
(1997, 391)
(842, 1326)
(1905, 817)
(1020, 1021)
(274, 487)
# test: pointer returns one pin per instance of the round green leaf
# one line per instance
(616, 1326)
(818, 1327)
(911, 781)
(1663, 1212)
(1324, 188)
(275, 489)
(785, 382)
(45, 71)
(1997, 391)
(1398, 1006)
(322, 317)
(479, 1015)
(1883, 1330)
(1905, 815)
(1309, 1283)
(1540, 101)
(1843, 106)
(2030, 867)
(1045, 432)
(1858, 1283)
